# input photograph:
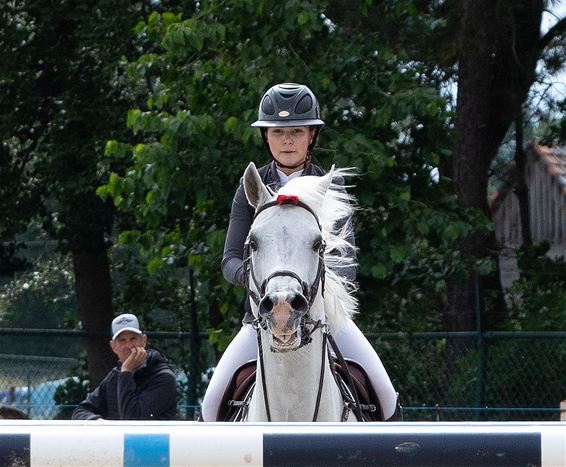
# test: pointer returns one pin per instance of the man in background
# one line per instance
(141, 387)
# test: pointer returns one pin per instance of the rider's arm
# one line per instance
(241, 218)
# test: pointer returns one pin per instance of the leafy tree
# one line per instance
(538, 298)
(499, 46)
(61, 99)
(39, 298)
(205, 75)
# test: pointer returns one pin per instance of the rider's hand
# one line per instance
(135, 359)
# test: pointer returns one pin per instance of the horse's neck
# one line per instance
(292, 382)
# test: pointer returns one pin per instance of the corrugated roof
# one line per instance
(555, 160)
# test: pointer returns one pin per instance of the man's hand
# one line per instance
(135, 359)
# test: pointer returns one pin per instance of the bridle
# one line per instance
(307, 324)
(308, 291)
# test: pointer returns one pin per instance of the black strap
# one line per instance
(342, 362)
(321, 381)
(263, 382)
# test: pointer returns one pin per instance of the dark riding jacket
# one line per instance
(241, 218)
(149, 393)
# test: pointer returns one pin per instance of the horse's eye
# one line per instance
(253, 244)
(317, 245)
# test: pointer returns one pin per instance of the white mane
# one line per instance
(334, 208)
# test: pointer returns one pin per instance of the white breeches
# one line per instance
(351, 342)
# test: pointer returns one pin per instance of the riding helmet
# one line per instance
(288, 104)
(285, 105)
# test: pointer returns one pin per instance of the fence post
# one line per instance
(195, 344)
(480, 382)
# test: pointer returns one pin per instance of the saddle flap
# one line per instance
(236, 390)
(363, 387)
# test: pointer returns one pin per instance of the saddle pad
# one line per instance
(245, 376)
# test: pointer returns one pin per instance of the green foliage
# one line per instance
(538, 298)
(41, 297)
(205, 75)
(73, 391)
(510, 385)
(160, 299)
(553, 132)
(63, 97)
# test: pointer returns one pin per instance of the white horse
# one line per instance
(297, 242)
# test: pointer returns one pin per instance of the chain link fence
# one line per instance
(471, 376)
(439, 376)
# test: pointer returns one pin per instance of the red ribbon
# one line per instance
(287, 199)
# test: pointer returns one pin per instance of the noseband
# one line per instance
(309, 292)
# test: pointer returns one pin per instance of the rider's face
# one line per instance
(289, 145)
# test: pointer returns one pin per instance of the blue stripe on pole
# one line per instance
(400, 450)
(146, 449)
(15, 449)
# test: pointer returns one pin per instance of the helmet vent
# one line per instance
(287, 95)
(267, 106)
(304, 105)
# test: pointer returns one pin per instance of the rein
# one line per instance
(325, 337)
(309, 293)
(351, 398)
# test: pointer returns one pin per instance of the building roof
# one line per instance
(555, 160)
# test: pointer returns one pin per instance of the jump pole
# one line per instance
(129, 444)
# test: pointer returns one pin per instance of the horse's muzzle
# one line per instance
(296, 301)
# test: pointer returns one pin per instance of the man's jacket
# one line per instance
(149, 393)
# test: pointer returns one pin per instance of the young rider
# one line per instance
(289, 121)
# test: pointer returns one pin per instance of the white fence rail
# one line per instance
(129, 444)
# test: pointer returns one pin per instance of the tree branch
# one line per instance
(555, 31)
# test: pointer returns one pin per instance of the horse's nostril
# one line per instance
(299, 304)
(265, 306)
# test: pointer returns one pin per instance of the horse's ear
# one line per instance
(326, 181)
(256, 192)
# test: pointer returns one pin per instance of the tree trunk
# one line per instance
(499, 47)
(94, 297)
(521, 188)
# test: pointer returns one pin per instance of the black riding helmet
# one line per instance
(285, 105)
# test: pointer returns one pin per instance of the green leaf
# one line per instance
(303, 18)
